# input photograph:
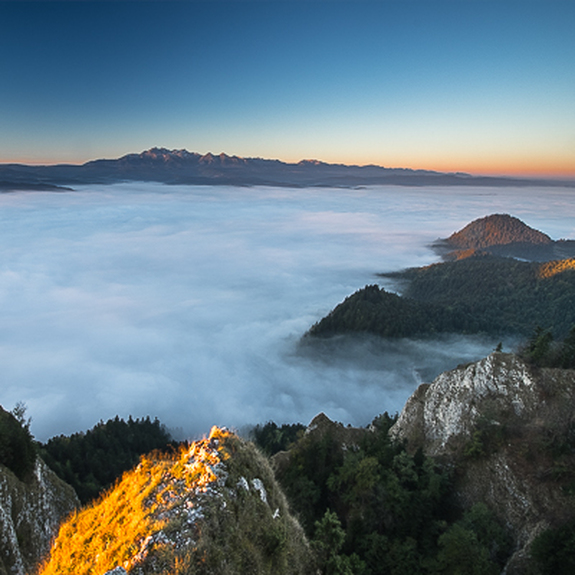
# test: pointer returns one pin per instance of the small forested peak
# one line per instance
(321, 420)
(321, 426)
(496, 230)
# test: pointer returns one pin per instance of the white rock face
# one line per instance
(30, 514)
(258, 485)
(512, 476)
(446, 412)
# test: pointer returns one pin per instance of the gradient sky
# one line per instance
(463, 85)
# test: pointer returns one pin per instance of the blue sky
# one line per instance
(477, 86)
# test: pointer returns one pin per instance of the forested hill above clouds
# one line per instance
(503, 235)
(183, 167)
(477, 291)
(497, 229)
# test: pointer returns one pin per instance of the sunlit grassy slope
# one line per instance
(550, 269)
(211, 507)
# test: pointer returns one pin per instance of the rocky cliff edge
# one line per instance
(509, 432)
(30, 513)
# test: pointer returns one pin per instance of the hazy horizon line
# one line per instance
(559, 175)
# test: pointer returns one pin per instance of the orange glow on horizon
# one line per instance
(514, 169)
(518, 168)
(555, 168)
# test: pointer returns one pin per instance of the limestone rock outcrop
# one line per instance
(211, 507)
(508, 430)
(30, 513)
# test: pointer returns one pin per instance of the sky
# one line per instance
(188, 303)
(479, 86)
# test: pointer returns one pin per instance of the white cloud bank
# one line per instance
(187, 303)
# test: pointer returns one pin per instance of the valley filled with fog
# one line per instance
(188, 303)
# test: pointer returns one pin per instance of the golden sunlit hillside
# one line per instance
(550, 269)
(211, 507)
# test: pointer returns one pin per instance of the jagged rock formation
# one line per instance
(213, 507)
(509, 431)
(30, 513)
(503, 235)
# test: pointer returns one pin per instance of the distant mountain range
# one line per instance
(183, 167)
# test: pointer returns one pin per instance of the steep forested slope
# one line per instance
(485, 294)
(372, 508)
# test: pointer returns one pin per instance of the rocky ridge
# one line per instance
(212, 507)
(507, 430)
(443, 413)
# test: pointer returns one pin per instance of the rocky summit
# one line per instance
(506, 428)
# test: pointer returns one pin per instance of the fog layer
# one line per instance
(188, 303)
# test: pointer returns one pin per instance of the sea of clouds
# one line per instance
(188, 303)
